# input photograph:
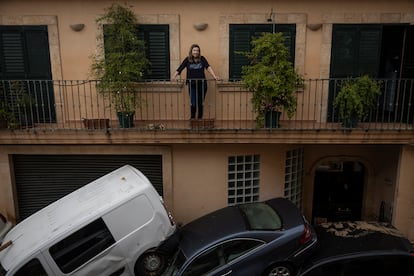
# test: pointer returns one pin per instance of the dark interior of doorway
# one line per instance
(338, 190)
(397, 70)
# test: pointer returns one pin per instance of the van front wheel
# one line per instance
(150, 264)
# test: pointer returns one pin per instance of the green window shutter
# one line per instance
(240, 38)
(408, 61)
(24, 52)
(38, 57)
(12, 54)
(355, 50)
(24, 55)
(289, 33)
(157, 50)
(242, 34)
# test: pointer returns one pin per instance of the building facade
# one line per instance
(329, 171)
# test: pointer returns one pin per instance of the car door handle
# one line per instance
(227, 273)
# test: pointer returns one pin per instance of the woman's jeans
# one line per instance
(197, 90)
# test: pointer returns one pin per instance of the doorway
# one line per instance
(338, 191)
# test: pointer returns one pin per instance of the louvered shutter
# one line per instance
(42, 179)
(157, 50)
(38, 57)
(355, 50)
(24, 55)
(408, 61)
(289, 33)
(12, 54)
(241, 36)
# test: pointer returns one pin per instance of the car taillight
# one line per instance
(307, 235)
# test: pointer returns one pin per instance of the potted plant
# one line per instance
(120, 61)
(356, 98)
(16, 105)
(272, 79)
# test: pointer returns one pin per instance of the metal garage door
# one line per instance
(42, 179)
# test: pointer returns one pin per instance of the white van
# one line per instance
(100, 229)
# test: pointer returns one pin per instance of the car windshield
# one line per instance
(177, 262)
(261, 216)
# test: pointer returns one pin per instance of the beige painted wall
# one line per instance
(200, 176)
(404, 216)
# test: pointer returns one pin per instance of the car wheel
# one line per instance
(150, 264)
(280, 270)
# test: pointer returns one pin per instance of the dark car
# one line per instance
(359, 248)
(263, 238)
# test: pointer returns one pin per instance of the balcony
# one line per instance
(76, 108)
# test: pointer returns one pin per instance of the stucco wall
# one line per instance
(404, 216)
(200, 176)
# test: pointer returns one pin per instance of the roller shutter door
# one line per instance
(42, 179)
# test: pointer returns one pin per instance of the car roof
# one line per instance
(229, 222)
(347, 238)
(74, 210)
(211, 228)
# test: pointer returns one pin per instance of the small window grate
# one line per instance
(294, 176)
(243, 179)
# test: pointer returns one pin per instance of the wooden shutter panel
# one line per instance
(24, 55)
(25, 52)
(289, 33)
(408, 61)
(38, 57)
(157, 50)
(239, 42)
(241, 36)
(369, 50)
(355, 50)
(343, 51)
(12, 53)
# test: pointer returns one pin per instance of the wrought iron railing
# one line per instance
(77, 104)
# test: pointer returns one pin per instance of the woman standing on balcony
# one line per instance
(196, 79)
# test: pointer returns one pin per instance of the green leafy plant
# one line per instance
(356, 97)
(15, 104)
(120, 61)
(271, 76)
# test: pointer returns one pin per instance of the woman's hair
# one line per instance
(190, 53)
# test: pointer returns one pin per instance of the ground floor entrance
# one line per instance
(338, 191)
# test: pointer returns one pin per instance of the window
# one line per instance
(204, 263)
(236, 248)
(32, 268)
(261, 216)
(220, 255)
(241, 36)
(24, 55)
(294, 176)
(81, 246)
(243, 179)
(157, 50)
(355, 50)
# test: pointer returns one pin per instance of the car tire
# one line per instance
(150, 264)
(280, 269)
